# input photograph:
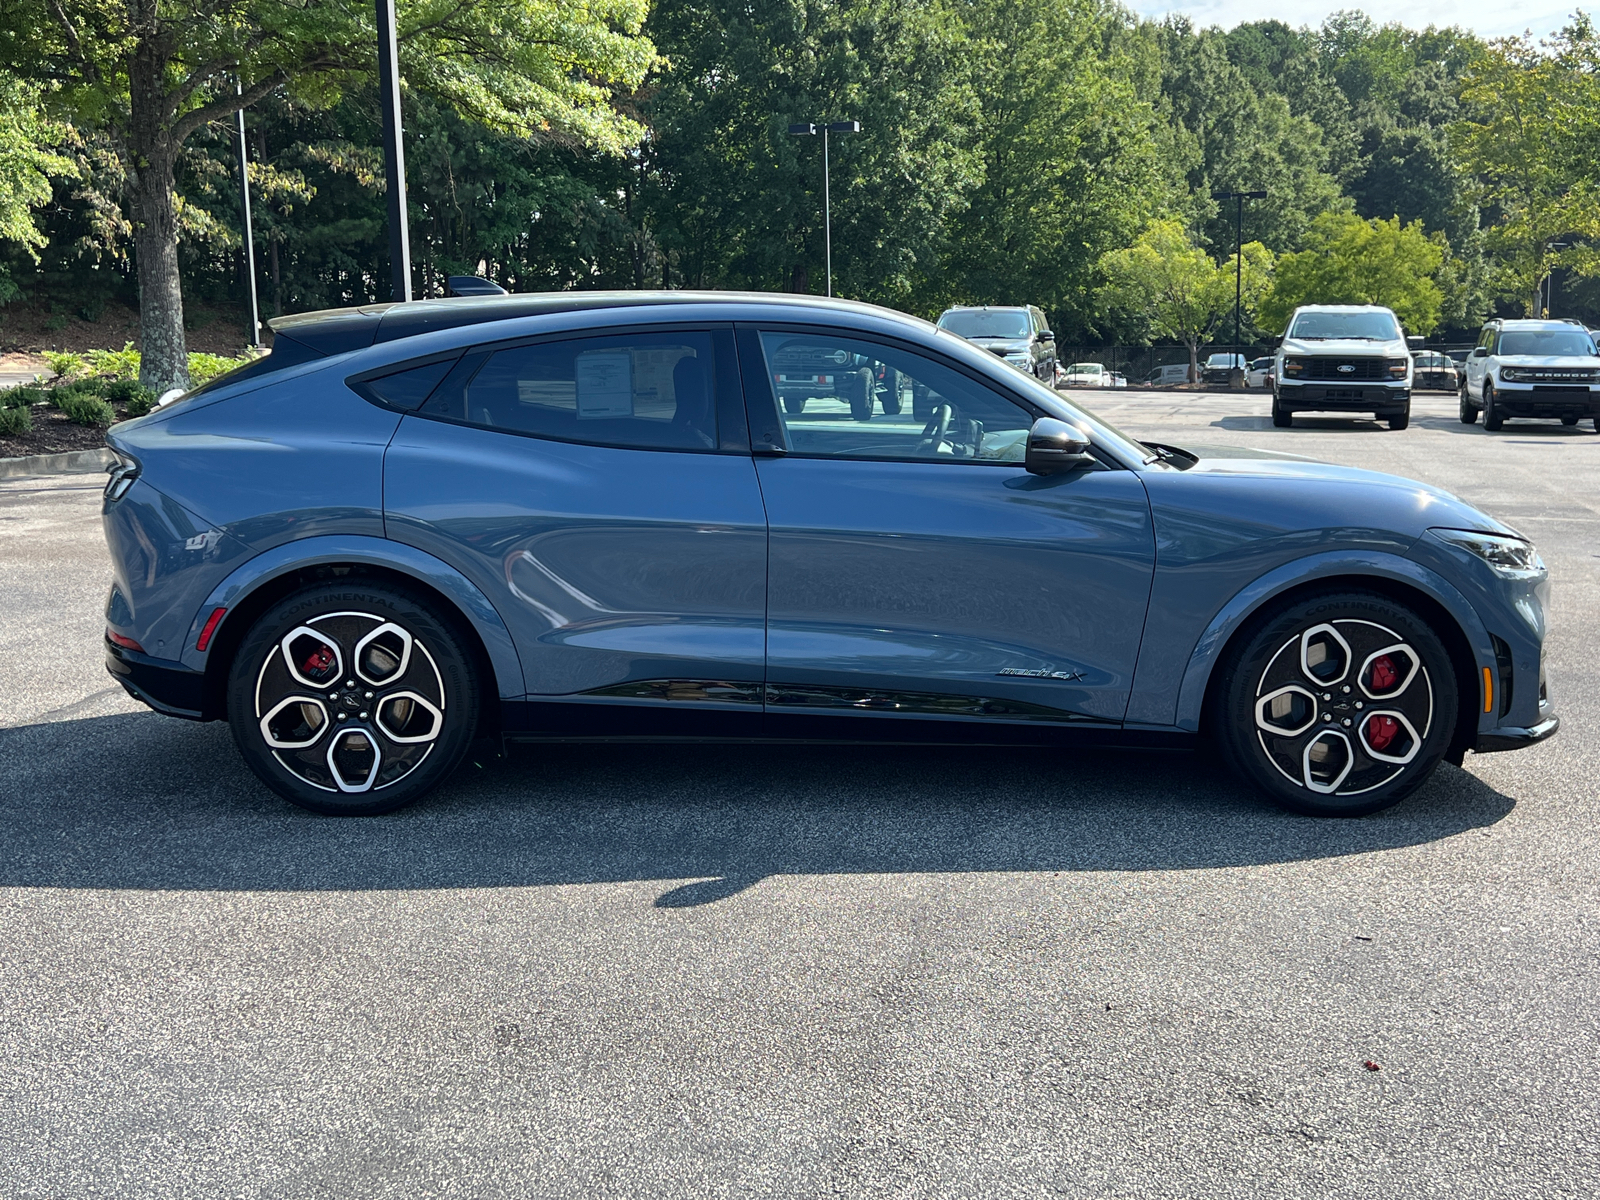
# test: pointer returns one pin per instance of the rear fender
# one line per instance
(1347, 569)
(273, 564)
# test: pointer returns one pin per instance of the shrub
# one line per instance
(89, 387)
(203, 368)
(136, 401)
(22, 396)
(15, 420)
(65, 364)
(115, 364)
(85, 409)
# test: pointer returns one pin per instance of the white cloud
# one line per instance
(1487, 18)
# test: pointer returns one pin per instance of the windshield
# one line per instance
(1362, 326)
(986, 322)
(1085, 369)
(1557, 343)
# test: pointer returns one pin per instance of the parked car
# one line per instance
(587, 515)
(1019, 334)
(1344, 358)
(1167, 375)
(1087, 375)
(1260, 371)
(1433, 370)
(1546, 369)
(1118, 380)
(1219, 368)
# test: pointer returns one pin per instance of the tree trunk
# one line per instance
(1194, 361)
(164, 352)
(800, 279)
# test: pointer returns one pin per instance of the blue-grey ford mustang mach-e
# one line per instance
(587, 515)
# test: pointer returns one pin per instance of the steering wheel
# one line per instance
(936, 431)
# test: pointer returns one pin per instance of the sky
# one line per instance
(1487, 18)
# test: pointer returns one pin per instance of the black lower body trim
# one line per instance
(1513, 738)
(166, 686)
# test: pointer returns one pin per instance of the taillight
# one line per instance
(212, 622)
(127, 643)
(122, 474)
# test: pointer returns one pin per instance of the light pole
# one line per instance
(1238, 263)
(809, 129)
(1550, 279)
(254, 326)
(394, 153)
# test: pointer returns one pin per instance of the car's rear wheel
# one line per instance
(1282, 418)
(794, 404)
(1338, 705)
(352, 700)
(1469, 415)
(1570, 419)
(1492, 420)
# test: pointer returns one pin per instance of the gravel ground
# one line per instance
(709, 971)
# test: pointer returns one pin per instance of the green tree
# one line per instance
(26, 166)
(1351, 261)
(151, 73)
(1174, 289)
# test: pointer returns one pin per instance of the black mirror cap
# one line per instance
(1055, 446)
(1415, 341)
(1045, 335)
(1480, 352)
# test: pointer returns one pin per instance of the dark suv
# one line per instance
(1019, 334)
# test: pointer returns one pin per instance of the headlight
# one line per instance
(1514, 374)
(1508, 557)
(1398, 367)
(1294, 366)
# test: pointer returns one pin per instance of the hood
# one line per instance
(1346, 347)
(1572, 362)
(1002, 345)
(1426, 505)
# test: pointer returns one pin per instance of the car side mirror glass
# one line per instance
(1054, 447)
(1414, 342)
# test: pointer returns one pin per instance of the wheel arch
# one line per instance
(1465, 638)
(258, 585)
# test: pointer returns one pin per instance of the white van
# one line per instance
(1168, 375)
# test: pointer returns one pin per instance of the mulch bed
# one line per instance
(52, 433)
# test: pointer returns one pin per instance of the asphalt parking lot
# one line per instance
(721, 971)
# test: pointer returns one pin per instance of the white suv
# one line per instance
(1344, 358)
(1531, 369)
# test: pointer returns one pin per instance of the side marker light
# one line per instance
(117, 639)
(212, 622)
(1488, 690)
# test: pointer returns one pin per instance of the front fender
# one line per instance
(378, 552)
(1244, 604)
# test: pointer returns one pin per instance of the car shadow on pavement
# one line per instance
(138, 801)
(1304, 423)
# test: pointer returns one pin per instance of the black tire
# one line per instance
(1570, 419)
(1401, 419)
(1282, 418)
(1469, 415)
(1596, 422)
(371, 715)
(1492, 420)
(794, 404)
(1266, 685)
(891, 392)
(860, 386)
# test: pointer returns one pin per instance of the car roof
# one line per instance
(1344, 308)
(336, 330)
(989, 308)
(1536, 323)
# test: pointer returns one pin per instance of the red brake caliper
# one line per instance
(1384, 675)
(1381, 731)
(318, 662)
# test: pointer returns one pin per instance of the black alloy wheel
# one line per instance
(1338, 705)
(1469, 414)
(353, 700)
(1492, 420)
(1282, 418)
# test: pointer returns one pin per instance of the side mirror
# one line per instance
(1054, 447)
(1415, 341)
(1044, 335)
(1480, 352)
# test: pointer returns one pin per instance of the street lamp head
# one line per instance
(845, 127)
(803, 130)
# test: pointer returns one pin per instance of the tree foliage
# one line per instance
(1351, 261)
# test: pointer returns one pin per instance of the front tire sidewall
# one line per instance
(446, 645)
(1233, 724)
(1492, 420)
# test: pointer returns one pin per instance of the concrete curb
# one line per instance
(73, 462)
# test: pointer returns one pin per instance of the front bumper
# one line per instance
(1509, 737)
(1545, 400)
(166, 686)
(1346, 397)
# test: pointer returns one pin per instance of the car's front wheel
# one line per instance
(1492, 420)
(1338, 705)
(352, 700)
(1401, 419)
(1282, 418)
